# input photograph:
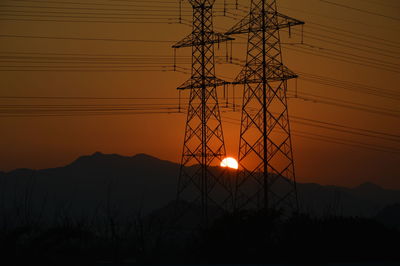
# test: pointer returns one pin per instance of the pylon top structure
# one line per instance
(281, 21)
(267, 177)
(264, 19)
(204, 145)
(202, 36)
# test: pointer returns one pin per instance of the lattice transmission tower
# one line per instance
(267, 177)
(204, 147)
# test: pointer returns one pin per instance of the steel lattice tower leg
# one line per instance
(265, 148)
(204, 146)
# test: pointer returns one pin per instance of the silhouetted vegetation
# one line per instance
(257, 237)
(246, 237)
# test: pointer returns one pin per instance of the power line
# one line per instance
(91, 21)
(342, 56)
(338, 57)
(60, 109)
(354, 89)
(124, 9)
(96, 4)
(349, 127)
(83, 39)
(364, 36)
(87, 98)
(338, 83)
(351, 45)
(335, 140)
(88, 54)
(349, 105)
(344, 129)
(104, 7)
(88, 15)
(360, 10)
(341, 19)
(351, 86)
(355, 46)
(92, 114)
(86, 70)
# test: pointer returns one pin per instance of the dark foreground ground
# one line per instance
(243, 238)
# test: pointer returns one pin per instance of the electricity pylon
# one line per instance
(204, 146)
(267, 177)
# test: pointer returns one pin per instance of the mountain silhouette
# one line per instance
(128, 184)
(91, 184)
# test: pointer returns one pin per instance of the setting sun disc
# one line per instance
(230, 163)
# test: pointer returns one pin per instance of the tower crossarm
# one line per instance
(193, 40)
(196, 82)
(250, 74)
(246, 25)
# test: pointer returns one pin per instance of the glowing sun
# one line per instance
(230, 163)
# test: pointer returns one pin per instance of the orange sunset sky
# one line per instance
(117, 55)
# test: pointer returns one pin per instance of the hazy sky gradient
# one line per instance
(41, 142)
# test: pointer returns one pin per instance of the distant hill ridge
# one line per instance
(102, 160)
(147, 183)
